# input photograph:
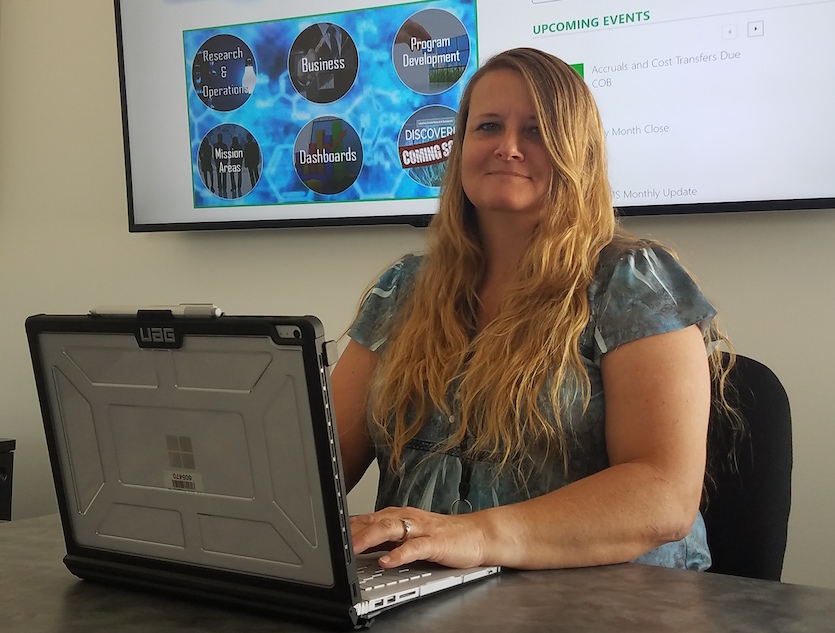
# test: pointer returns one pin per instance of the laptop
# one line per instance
(196, 454)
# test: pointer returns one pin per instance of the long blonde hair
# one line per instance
(532, 345)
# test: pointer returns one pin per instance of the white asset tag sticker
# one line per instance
(182, 480)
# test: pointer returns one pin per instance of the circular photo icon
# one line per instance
(327, 155)
(229, 161)
(431, 51)
(424, 144)
(223, 72)
(323, 63)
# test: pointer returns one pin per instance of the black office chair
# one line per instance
(747, 511)
(6, 466)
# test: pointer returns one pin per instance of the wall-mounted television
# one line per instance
(258, 113)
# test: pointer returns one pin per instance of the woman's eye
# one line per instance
(488, 126)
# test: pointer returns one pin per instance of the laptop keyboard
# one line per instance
(372, 576)
(382, 588)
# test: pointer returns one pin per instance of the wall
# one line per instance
(64, 247)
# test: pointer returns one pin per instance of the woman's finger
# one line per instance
(371, 531)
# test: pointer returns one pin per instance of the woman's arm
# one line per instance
(657, 392)
(350, 382)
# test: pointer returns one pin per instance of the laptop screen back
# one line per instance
(203, 454)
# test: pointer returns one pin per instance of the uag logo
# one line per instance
(157, 337)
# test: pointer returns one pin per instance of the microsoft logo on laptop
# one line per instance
(183, 476)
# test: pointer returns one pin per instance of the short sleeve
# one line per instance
(371, 327)
(648, 293)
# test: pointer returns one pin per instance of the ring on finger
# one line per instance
(407, 528)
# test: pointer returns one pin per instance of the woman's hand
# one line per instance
(451, 540)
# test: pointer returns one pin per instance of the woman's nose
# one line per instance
(508, 147)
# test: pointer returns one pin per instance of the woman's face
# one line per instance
(505, 166)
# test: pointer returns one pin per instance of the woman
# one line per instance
(476, 374)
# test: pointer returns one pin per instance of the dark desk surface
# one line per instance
(38, 594)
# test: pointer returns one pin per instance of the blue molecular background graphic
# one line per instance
(376, 106)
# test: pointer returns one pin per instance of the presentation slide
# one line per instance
(702, 102)
(343, 114)
(342, 111)
(256, 112)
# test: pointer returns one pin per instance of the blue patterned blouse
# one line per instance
(634, 294)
